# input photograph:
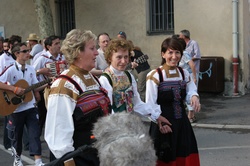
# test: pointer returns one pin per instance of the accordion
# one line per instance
(57, 67)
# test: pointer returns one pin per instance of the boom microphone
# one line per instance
(122, 139)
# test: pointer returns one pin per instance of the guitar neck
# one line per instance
(142, 59)
(34, 86)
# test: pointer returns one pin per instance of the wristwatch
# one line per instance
(38, 72)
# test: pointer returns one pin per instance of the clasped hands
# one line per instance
(164, 125)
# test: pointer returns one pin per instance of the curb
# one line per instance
(24, 158)
(221, 126)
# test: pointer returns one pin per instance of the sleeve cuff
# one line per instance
(154, 116)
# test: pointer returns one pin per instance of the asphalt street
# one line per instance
(222, 131)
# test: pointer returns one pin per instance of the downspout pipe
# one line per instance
(235, 47)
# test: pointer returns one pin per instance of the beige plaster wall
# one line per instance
(19, 17)
(210, 24)
(116, 15)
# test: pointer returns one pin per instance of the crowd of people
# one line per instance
(73, 84)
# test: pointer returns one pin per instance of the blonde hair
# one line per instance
(75, 42)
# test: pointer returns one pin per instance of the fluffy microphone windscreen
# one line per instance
(122, 139)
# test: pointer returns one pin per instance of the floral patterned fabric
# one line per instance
(122, 93)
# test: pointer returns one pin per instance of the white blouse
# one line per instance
(152, 87)
(139, 106)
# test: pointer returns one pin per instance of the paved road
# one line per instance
(222, 133)
(7, 159)
(223, 147)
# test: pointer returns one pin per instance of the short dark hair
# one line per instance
(15, 38)
(176, 36)
(103, 33)
(49, 40)
(183, 43)
(171, 43)
(6, 40)
(16, 47)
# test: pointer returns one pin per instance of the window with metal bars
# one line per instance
(66, 16)
(161, 17)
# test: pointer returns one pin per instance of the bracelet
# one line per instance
(15, 90)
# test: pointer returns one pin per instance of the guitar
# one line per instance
(10, 101)
(141, 59)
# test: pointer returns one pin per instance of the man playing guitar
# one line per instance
(140, 64)
(26, 112)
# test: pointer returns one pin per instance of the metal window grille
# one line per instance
(66, 13)
(161, 14)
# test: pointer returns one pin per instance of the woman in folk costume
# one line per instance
(121, 85)
(166, 90)
(76, 101)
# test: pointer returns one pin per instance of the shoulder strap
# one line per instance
(72, 81)
(45, 56)
(110, 81)
(182, 73)
(129, 76)
(96, 79)
(108, 77)
(6, 69)
(161, 77)
(160, 74)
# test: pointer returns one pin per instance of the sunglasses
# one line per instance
(24, 51)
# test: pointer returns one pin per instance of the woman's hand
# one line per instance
(164, 125)
(195, 103)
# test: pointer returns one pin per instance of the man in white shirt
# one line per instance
(36, 47)
(25, 113)
(37, 55)
(53, 45)
(101, 64)
(193, 49)
(7, 58)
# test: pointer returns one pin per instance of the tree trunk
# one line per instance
(45, 19)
